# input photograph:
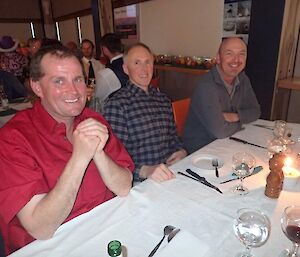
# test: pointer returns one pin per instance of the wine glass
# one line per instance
(252, 228)
(279, 128)
(243, 164)
(290, 224)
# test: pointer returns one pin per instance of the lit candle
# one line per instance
(288, 170)
(291, 175)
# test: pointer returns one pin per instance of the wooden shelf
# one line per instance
(289, 83)
(180, 69)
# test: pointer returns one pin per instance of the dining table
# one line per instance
(14, 106)
(204, 215)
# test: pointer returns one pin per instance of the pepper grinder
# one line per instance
(275, 177)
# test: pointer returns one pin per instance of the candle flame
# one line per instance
(288, 161)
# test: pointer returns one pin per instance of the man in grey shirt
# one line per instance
(223, 99)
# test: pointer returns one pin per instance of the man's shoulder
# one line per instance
(21, 122)
(121, 97)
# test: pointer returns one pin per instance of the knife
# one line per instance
(263, 126)
(212, 186)
(256, 170)
(246, 142)
(202, 180)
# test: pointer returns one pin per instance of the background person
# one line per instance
(62, 156)
(91, 65)
(113, 77)
(223, 99)
(142, 118)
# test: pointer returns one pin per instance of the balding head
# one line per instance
(231, 58)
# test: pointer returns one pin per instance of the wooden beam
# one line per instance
(120, 3)
(74, 15)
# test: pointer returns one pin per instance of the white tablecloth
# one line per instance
(138, 219)
(16, 106)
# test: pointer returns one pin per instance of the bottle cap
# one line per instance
(114, 248)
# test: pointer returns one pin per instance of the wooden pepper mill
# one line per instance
(275, 177)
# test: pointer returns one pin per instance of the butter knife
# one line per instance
(202, 180)
(246, 142)
(255, 171)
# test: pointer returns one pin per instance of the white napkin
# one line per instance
(183, 244)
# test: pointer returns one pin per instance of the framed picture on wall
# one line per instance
(236, 20)
(125, 22)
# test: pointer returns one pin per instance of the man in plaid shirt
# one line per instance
(142, 118)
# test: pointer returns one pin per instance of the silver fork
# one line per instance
(215, 164)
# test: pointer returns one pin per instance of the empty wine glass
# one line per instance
(243, 164)
(290, 224)
(279, 128)
(252, 228)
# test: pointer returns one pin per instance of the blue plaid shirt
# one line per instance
(144, 123)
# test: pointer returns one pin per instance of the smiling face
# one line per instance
(231, 58)
(138, 65)
(62, 89)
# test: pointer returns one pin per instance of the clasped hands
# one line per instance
(89, 138)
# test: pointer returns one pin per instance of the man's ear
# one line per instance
(218, 59)
(125, 69)
(36, 88)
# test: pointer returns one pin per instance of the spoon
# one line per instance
(173, 234)
(167, 231)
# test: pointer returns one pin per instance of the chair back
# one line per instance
(180, 111)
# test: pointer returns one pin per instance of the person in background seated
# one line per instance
(91, 65)
(73, 47)
(113, 77)
(62, 156)
(142, 118)
(223, 99)
(12, 86)
(10, 60)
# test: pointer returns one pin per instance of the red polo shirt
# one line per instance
(33, 153)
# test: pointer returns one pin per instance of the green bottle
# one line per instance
(114, 249)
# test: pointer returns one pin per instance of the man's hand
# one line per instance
(158, 172)
(176, 157)
(90, 136)
(231, 116)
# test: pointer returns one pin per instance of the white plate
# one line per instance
(204, 161)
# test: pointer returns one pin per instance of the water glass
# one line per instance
(243, 164)
(252, 228)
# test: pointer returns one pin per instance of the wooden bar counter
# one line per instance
(290, 83)
(178, 82)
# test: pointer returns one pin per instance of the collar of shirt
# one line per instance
(49, 123)
(116, 57)
(86, 60)
(136, 90)
(230, 88)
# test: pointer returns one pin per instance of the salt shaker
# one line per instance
(275, 177)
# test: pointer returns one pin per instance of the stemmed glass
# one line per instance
(252, 228)
(243, 164)
(290, 224)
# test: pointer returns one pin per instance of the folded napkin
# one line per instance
(183, 244)
(8, 112)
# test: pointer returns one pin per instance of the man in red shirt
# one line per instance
(57, 159)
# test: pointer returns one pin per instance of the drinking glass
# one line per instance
(279, 128)
(243, 164)
(290, 224)
(252, 228)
